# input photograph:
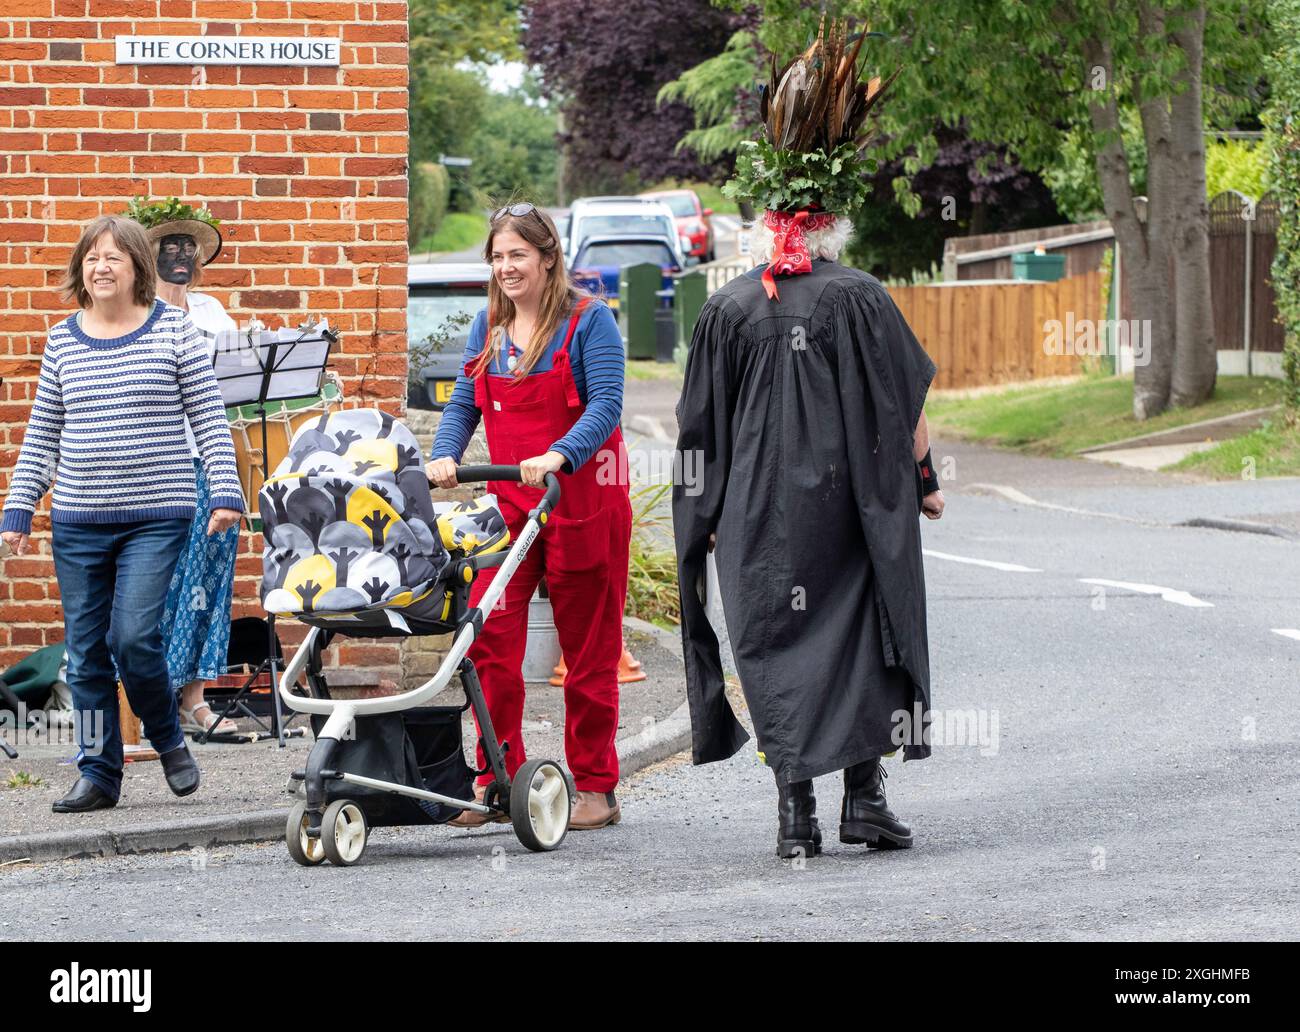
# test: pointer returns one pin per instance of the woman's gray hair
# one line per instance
(822, 243)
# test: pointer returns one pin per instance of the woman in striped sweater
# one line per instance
(118, 381)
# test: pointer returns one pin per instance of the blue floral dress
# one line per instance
(196, 619)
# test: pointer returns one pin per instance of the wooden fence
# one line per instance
(995, 332)
(988, 255)
(981, 333)
(1243, 241)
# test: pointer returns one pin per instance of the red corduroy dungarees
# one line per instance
(582, 550)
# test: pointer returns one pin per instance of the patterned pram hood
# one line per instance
(475, 527)
(348, 519)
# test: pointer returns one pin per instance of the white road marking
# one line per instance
(1287, 632)
(991, 563)
(1178, 598)
(1011, 494)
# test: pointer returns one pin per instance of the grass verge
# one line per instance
(645, 369)
(459, 231)
(1271, 451)
(1063, 418)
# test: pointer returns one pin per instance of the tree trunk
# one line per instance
(1195, 358)
(1166, 258)
(1144, 247)
(1153, 296)
(1152, 325)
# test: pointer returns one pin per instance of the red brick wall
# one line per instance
(306, 168)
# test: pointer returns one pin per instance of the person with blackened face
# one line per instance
(196, 620)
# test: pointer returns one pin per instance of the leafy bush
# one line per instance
(430, 190)
(1284, 175)
(652, 568)
(1236, 165)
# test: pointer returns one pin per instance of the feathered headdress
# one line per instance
(810, 163)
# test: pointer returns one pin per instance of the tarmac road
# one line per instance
(1114, 763)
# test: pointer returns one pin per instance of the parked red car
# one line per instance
(693, 220)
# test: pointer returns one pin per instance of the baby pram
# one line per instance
(354, 548)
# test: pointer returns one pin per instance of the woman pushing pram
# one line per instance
(353, 547)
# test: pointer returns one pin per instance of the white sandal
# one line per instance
(190, 723)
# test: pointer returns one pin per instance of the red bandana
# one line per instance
(789, 248)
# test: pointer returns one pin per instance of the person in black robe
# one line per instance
(800, 419)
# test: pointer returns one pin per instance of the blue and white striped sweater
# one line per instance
(108, 427)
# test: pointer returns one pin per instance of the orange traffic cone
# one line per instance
(629, 670)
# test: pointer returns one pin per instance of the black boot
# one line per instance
(85, 796)
(798, 833)
(865, 816)
(181, 771)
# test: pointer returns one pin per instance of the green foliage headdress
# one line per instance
(814, 112)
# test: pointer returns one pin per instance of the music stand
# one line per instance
(270, 368)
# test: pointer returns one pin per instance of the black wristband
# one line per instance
(929, 479)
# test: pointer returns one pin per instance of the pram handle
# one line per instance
(469, 474)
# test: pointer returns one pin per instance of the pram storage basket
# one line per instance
(419, 747)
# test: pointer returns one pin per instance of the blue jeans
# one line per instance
(113, 578)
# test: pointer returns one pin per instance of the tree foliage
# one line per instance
(514, 148)
(1072, 178)
(1283, 121)
(970, 187)
(446, 101)
(717, 91)
(447, 106)
(429, 190)
(605, 61)
(1239, 165)
(443, 32)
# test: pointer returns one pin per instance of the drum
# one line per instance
(283, 419)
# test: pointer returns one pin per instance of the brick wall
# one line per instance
(306, 168)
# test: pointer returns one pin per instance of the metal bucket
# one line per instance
(542, 651)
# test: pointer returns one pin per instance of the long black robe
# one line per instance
(797, 420)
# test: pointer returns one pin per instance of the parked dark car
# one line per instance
(442, 301)
(600, 259)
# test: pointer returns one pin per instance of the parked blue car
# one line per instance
(600, 258)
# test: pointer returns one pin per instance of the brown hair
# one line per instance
(131, 238)
(559, 296)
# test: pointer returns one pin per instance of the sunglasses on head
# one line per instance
(517, 210)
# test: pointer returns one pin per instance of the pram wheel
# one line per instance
(541, 797)
(343, 832)
(304, 850)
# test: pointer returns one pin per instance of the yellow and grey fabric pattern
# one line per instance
(348, 519)
(470, 528)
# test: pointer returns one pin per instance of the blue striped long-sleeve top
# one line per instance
(597, 361)
(108, 427)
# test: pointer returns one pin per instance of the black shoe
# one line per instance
(798, 833)
(181, 771)
(84, 797)
(865, 816)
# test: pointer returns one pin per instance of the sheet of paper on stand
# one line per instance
(299, 362)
